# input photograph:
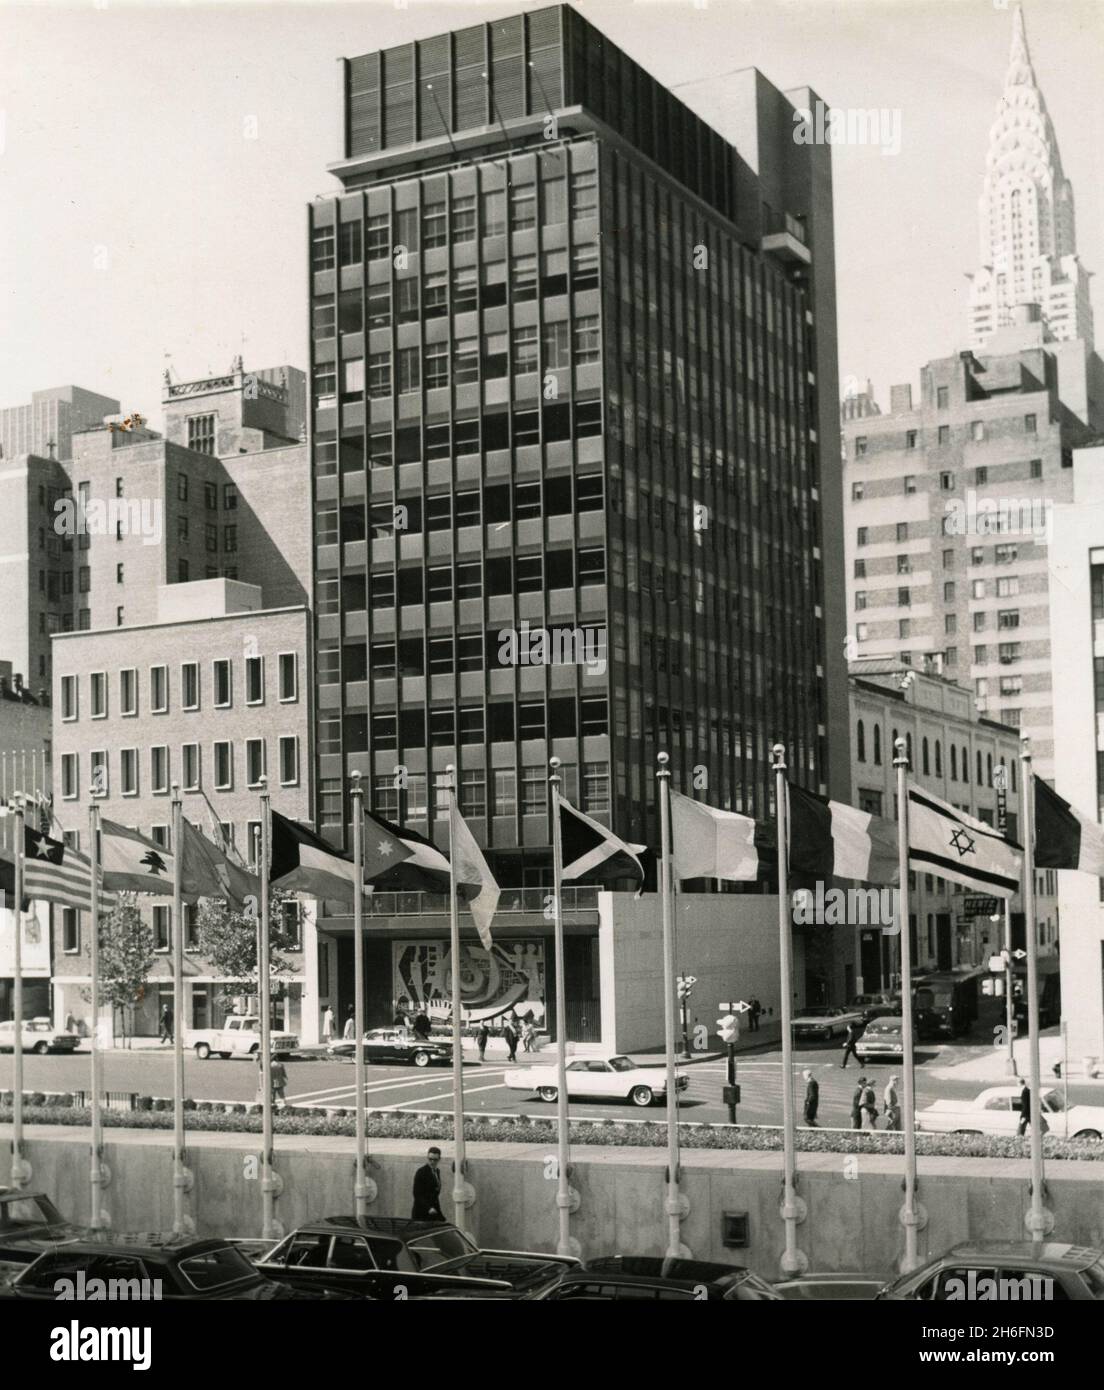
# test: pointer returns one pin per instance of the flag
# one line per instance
(592, 853)
(423, 870)
(708, 843)
(133, 863)
(206, 871)
(302, 860)
(1064, 838)
(473, 874)
(7, 881)
(54, 872)
(951, 844)
(828, 839)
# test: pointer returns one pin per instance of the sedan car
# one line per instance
(824, 1022)
(104, 1265)
(632, 1278)
(882, 1041)
(39, 1035)
(614, 1077)
(396, 1257)
(29, 1224)
(1005, 1269)
(997, 1111)
(394, 1045)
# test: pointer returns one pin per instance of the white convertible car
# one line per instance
(997, 1111)
(596, 1078)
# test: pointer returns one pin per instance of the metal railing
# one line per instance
(516, 900)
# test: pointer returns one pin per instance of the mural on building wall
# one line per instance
(491, 982)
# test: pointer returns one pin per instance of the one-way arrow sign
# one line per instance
(740, 1008)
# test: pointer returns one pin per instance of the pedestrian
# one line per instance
(892, 1104)
(510, 1038)
(756, 1010)
(349, 1031)
(278, 1076)
(869, 1106)
(421, 1025)
(482, 1037)
(166, 1024)
(427, 1189)
(856, 1104)
(327, 1024)
(1025, 1112)
(812, 1098)
(854, 1033)
(527, 1035)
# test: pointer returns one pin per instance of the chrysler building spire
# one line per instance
(1028, 241)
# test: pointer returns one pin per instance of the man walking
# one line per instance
(892, 1104)
(510, 1038)
(421, 1025)
(753, 1016)
(327, 1024)
(812, 1098)
(869, 1106)
(166, 1024)
(349, 1031)
(1025, 1112)
(427, 1189)
(854, 1033)
(482, 1038)
(856, 1104)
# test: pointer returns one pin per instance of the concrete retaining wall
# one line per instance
(853, 1200)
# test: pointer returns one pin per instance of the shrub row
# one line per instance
(230, 1117)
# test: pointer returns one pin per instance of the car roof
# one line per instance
(144, 1243)
(1054, 1253)
(402, 1227)
(648, 1268)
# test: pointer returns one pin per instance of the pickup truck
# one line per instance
(240, 1036)
(997, 1111)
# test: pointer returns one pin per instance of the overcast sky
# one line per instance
(138, 219)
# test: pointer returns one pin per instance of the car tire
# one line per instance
(421, 1059)
(202, 1051)
(549, 1094)
(1087, 1134)
(41, 1049)
(642, 1095)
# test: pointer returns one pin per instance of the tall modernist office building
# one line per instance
(573, 368)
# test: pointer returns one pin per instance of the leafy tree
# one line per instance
(126, 959)
(228, 938)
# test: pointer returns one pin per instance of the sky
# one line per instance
(156, 160)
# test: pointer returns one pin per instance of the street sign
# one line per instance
(980, 907)
(730, 1095)
(1019, 955)
(737, 1008)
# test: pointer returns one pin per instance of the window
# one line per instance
(861, 535)
(159, 689)
(977, 431)
(463, 219)
(1035, 468)
(465, 360)
(436, 365)
(904, 564)
(902, 531)
(1008, 586)
(322, 248)
(230, 539)
(523, 207)
(877, 745)
(201, 438)
(949, 591)
(100, 778)
(473, 792)
(70, 930)
(860, 569)
(99, 695)
(555, 346)
(254, 680)
(1030, 425)
(1008, 653)
(861, 632)
(189, 755)
(981, 475)
(289, 677)
(224, 766)
(349, 244)
(860, 600)
(69, 697)
(222, 681)
(128, 691)
(159, 768)
(596, 793)
(379, 374)
(861, 741)
(1011, 685)
(904, 629)
(944, 434)
(587, 339)
(942, 397)
(910, 484)
(128, 771)
(910, 439)
(379, 236)
(289, 760)
(70, 777)
(584, 194)
(950, 624)
(857, 492)
(946, 481)
(903, 598)
(1008, 618)
(409, 369)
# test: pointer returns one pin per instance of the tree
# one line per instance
(126, 958)
(228, 938)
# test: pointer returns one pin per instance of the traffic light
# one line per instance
(686, 984)
(729, 1028)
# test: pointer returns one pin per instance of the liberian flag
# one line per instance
(1064, 838)
(951, 844)
(54, 872)
(829, 839)
(592, 853)
(708, 843)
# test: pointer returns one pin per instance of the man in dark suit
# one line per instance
(427, 1189)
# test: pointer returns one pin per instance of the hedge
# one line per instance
(238, 1117)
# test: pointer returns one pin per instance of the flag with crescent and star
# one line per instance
(133, 863)
(950, 844)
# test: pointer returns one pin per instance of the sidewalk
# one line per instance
(990, 1067)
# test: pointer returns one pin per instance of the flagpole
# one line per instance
(270, 1185)
(20, 1168)
(676, 1206)
(1039, 1220)
(98, 1176)
(459, 1161)
(182, 1182)
(794, 1260)
(912, 1215)
(361, 1192)
(567, 1201)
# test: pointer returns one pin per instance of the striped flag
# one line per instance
(709, 843)
(421, 868)
(829, 839)
(949, 843)
(54, 872)
(1064, 838)
(474, 880)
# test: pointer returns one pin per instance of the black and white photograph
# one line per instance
(551, 604)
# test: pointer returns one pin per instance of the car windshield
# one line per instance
(1094, 1277)
(621, 1064)
(216, 1268)
(439, 1247)
(1052, 1100)
(17, 1212)
(818, 1013)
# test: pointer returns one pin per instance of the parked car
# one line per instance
(39, 1035)
(624, 1278)
(883, 1040)
(997, 1111)
(946, 1003)
(29, 1224)
(824, 1022)
(395, 1257)
(1031, 1273)
(393, 1045)
(240, 1036)
(170, 1268)
(613, 1077)
(831, 1286)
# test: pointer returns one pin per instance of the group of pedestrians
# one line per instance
(864, 1103)
(514, 1031)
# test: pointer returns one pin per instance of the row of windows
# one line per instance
(162, 923)
(946, 480)
(984, 762)
(977, 433)
(502, 722)
(1005, 588)
(1004, 553)
(189, 768)
(440, 656)
(222, 687)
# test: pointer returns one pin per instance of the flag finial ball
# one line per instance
(901, 746)
(553, 763)
(663, 759)
(779, 750)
